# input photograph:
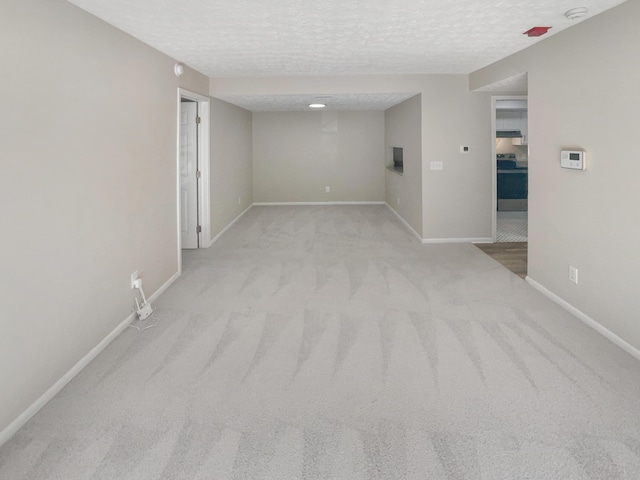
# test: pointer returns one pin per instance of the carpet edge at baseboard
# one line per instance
(598, 327)
(13, 427)
(224, 230)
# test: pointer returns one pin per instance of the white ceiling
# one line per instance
(337, 37)
(342, 101)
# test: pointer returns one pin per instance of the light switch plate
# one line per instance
(436, 166)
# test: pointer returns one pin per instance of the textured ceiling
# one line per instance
(342, 101)
(338, 37)
(335, 37)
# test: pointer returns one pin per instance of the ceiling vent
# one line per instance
(536, 31)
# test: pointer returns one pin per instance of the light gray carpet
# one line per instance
(326, 343)
(512, 226)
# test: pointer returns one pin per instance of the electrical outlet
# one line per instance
(398, 201)
(239, 200)
(134, 276)
(327, 189)
(573, 274)
(464, 149)
(436, 165)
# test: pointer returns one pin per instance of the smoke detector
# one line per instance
(576, 13)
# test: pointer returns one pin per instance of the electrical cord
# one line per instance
(153, 317)
(143, 310)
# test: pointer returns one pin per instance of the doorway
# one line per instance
(194, 227)
(510, 183)
(510, 169)
(189, 173)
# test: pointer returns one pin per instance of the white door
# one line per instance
(188, 174)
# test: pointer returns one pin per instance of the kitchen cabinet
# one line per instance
(508, 120)
(524, 129)
(514, 120)
(513, 189)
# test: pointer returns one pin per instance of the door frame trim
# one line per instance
(204, 159)
(494, 164)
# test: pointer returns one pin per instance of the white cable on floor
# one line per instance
(143, 310)
(153, 317)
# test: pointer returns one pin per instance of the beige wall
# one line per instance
(456, 201)
(297, 154)
(231, 163)
(403, 128)
(583, 93)
(87, 191)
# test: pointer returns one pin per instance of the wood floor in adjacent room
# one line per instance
(513, 255)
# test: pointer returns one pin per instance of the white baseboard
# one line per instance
(406, 224)
(483, 240)
(163, 287)
(458, 240)
(25, 416)
(630, 349)
(215, 239)
(281, 204)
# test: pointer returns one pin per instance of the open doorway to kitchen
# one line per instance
(511, 169)
(510, 213)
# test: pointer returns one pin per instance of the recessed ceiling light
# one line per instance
(317, 105)
(576, 13)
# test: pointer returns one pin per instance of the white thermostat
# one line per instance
(573, 159)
